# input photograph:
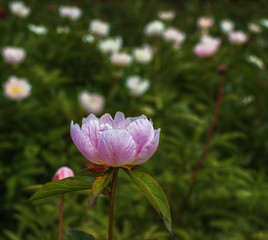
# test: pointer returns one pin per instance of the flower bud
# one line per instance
(63, 172)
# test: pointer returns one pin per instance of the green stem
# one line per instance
(111, 215)
(61, 216)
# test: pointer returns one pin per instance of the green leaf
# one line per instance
(78, 235)
(98, 185)
(63, 186)
(153, 193)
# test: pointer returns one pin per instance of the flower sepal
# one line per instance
(99, 185)
(95, 168)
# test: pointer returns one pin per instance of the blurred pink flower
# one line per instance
(99, 27)
(63, 172)
(207, 46)
(174, 35)
(91, 102)
(166, 15)
(237, 37)
(13, 54)
(205, 22)
(17, 88)
(121, 59)
(115, 142)
(71, 12)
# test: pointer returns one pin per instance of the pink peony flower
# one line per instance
(207, 46)
(166, 15)
(121, 59)
(205, 22)
(99, 27)
(63, 172)
(91, 102)
(237, 37)
(115, 142)
(13, 55)
(174, 35)
(71, 12)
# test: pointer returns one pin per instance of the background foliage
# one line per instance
(230, 194)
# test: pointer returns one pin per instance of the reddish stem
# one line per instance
(211, 129)
(61, 216)
(205, 150)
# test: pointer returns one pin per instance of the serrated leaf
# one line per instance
(78, 235)
(98, 186)
(153, 193)
(63, 186)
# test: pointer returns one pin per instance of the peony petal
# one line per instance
(84, 144)
(142, 132)
(116, 147)
(148, 150)
(91, 131)
(91, 117)
(106, 118)
(120, 121)
(132, 119)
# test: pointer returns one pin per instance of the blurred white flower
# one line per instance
(253, 27)
(13, 55)
(205, 22)
(17, 88)
(120, 59)
(99, 27)
(143, 54)
(38, 29)
(19, 9)
(226, 26)
(91, 102)
(154, 28)
(63, 29)
(71, 12)
(247, 99)
(237, 37)
(88, 38)
(166, 15)
(264, 22)
(256, 61)
(207, 46)
(136, 85)
(110, 45)
(174, 35)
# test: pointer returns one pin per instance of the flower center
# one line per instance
(16, 90)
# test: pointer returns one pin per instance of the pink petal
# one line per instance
(91, 117)
(142, 132)
(116, 147)
(120, 121)
(106, 118)
(91, 131)
(148, 150)
(84, 144)
(132, 119)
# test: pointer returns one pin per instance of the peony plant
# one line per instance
(110, 144)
